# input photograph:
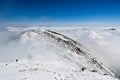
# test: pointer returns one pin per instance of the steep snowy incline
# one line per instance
(101, 43)
(33, 54)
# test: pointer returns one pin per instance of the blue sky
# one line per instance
(64, 11)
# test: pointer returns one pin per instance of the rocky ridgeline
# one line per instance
(73, 46)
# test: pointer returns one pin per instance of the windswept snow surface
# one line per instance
(27, 54)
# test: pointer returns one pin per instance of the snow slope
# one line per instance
(42, 58)
(30, 70)
(102, 43)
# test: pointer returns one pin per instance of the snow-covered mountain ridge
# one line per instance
(48, 48)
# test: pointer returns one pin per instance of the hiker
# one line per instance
(16, 60)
